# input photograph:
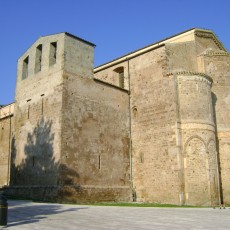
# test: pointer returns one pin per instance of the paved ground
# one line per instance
(28, 215)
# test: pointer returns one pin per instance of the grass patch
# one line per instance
(115, 204)
(156, 205)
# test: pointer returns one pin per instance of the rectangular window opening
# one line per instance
(120, 74)
(99, 162)
(25, 68)
(42, 106)
(28, 115)
(38, 59)
(53, 53)
(141, 157)
(33, 161)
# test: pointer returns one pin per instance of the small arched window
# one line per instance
(120, 73)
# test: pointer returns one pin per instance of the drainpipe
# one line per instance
(218, 178)
(179, 143)
(130, 128)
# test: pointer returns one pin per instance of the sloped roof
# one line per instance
(72, 36)
(66, 33)
(187, 35)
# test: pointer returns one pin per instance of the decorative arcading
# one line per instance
(191, 73)
(210, 35)
(215, 53)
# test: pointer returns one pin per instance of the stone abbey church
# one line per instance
(150, 126)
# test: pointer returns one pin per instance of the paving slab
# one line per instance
(29, 215)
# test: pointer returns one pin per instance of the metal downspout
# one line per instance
(218, 176)
(130, 129)
(179, 143)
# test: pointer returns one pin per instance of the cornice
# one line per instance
(203, 34)
(191, 73)
(215, 53)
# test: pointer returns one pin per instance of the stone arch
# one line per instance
(193, 137)
(196, 179)
(210, 140)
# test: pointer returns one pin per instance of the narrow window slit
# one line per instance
(33, 159)
(28, 115)
(99, 162)
(42, 106)
(38, 60)
(53, 53)
(141, 157)
(25, 68)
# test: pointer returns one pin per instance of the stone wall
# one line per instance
(6, 130)
(217, 65)
(95, 141)
(199, 155)
(71, 132)
(207, 41)
(155, 165)
(181, 56)
(153, 108)
(35, 159)
(151, 126)
(78, 57)
(110, 75)
(172, 120)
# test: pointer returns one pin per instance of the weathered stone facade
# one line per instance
(151, 126)
(6, 132)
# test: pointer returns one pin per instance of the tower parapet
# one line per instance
(38, 109)
(68, 126)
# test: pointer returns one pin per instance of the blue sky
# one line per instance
(116, 27)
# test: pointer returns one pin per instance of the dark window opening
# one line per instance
(134, 111)
(120, 72)
(25, 68)
(42, 106)
(99, 162)
(53, 53)
(38, 59)
(28, 114)
(141, 157)
(33, 161)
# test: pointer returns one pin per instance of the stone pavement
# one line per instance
(28, 215)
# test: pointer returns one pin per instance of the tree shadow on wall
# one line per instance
(40, 167)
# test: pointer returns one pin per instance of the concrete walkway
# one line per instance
(28, 215)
